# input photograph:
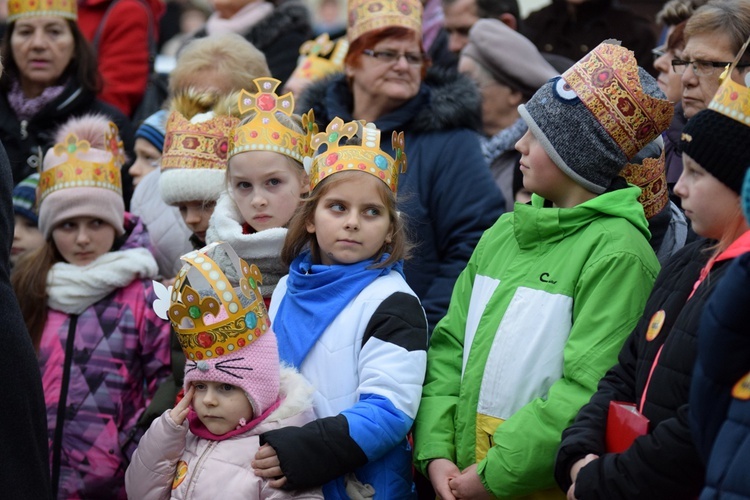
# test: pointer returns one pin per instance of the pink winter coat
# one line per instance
(173, 463)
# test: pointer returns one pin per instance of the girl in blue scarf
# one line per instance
(345, 317)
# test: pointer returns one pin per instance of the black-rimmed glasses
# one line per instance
(391, 56)
(701, 68)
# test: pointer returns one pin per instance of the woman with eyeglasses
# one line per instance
(447, 192)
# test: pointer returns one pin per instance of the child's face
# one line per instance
(146, 160)
(709, 204)
(540, 174)
(196, 215)
(220, 406)
(26, 237)
(81, 240)
(266, 187)
(351, 221)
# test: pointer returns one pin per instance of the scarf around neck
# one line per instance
(315, 295)
(26, 108)
(503, 141)
(245, 18)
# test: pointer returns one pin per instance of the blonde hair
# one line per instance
(728, 17)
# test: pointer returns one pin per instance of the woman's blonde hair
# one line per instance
(728, 17)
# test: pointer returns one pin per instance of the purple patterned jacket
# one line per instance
(120, 355)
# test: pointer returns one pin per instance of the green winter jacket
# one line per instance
(535, 320)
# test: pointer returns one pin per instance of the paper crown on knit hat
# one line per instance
(28, 8)
(321, 57)
(647, 171)
(24, 198)
(196, 147)
(369, 15)
(222, 325)
(598, 115)
(81, 174)
(153, 129)
(264, 131)
(717, 138)
(364, 157)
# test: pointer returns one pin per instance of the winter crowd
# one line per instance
(436, 250)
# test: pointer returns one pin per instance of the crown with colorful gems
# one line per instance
(733, 99)
(78, 172)
(28, 8)
(369, 15)
(201, 145)
(264, 132)
(321, 57)
(608, 83)
(366, 157)
(208, 315)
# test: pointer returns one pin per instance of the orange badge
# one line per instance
(180, 473)
(654, 326)
(741, 389)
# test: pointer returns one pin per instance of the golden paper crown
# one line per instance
(27, 8)
(208, 315)
(264, 132)
(367, 157)
(201, 145)
(609, 85)
(732, 99)
(651, 177)
(78, 172)
(369, 15)
(321, 57)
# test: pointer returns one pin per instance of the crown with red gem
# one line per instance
(369, 15)
(733, 99)
(211, 315)
(264, 131)
(196, 145)
(28, 8)
(321, 57)
(76, 171)
(364, 157)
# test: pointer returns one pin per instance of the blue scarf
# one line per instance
(315, 295)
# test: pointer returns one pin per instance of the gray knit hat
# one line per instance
(598, 115)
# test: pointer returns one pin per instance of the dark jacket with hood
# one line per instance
(447, 193)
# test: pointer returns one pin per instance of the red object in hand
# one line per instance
(624, 424)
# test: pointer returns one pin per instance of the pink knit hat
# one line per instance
(81, 175)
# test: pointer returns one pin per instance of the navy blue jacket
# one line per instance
(720, 421)
(447, 193)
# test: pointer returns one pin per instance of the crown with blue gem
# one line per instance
(364, 157)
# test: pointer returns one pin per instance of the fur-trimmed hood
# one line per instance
(446, 100)
(297, 393)
(289, 17)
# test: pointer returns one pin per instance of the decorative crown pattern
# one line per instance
(366, 157)
(202, 145)
(321, 57)
(205, 310)
(78, 172)
(608, 84)
(369, 15)
(651, 177)
(264, 132)
(27, 8)
(733, 99)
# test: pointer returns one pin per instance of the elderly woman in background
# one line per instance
(447, 192)
(50, 76)
(508, 69)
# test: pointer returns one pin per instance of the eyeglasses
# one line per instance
(701, 68)
(391, 56)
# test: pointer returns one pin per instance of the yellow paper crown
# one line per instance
(321, 57)
(264, 132)
(367, 157)
(202, 145)
(732, 99)
(208, 315)
(78, 172)
(369, 15)
(27, 8)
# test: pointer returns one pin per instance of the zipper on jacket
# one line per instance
(198, 466)
(24, 132)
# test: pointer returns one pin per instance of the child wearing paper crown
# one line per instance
(235, 388)
(26, 233)
(655, 365)
(102, 351)
(551, 291)
(265, 180)
(347, 319)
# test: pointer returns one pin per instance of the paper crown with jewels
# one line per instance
(321, 57)
(76, 171)
(209, 316)
(364, 157)
(28, 8)
(733, 99)
(369, 15)
(264, 131)
(647, 171)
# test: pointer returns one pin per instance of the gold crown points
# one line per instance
(264, 132)
(369, 15)
(366, 157)
(27, 8)
(209, 327)
(201, 145)
(115, 145)
(732, 99)
(651, 178)
(77, 172)
(608, 83)
(321, 57)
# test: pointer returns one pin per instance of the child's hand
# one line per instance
(266, 464)
(441, 471)
(180, 412)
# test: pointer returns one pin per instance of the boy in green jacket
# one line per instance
(551, 291)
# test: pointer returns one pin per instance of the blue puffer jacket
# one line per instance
(447, 193)
(719, 399)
